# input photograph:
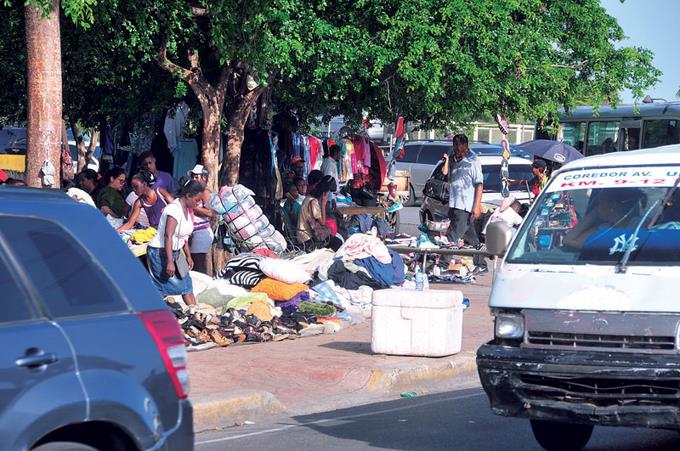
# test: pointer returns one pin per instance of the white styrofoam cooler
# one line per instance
(420, 323)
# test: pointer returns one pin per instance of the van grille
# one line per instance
(570, 340)
(601, 391)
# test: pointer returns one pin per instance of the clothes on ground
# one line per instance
(464, 175)
(183, 230)
(345, 278)
(109, 197)
(451, 278)
(362, 246)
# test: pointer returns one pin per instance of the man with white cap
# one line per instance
(202, 238)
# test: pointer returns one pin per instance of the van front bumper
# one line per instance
(602, 388)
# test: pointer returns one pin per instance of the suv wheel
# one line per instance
(556, 436)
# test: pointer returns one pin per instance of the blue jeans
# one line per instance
(167, 286)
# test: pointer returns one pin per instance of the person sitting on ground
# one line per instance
(508, 212)
(301, 185)
(87, 181)
(110, 200)
(291, 207)
(151, 199)
(202, 237)
(163, 253)
(312, 229)
(147, 161)
(313, 179)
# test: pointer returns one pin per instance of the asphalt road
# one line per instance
(456, 420)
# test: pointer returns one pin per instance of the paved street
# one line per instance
(459, 420)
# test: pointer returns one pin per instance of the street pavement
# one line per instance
(459, 420)
(320, 373)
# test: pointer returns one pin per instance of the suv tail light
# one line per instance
(167, 335)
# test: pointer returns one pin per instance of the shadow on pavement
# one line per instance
(350, 346)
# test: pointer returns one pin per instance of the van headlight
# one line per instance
(509, 325)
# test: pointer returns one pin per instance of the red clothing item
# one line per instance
(315, 151)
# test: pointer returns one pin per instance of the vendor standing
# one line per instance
(151, 199)
(163, 179)
(202, 238)
(168, 254)
(465, 196)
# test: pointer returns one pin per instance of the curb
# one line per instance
(408, 376)
(231, 408)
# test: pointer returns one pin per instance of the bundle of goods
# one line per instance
(247, 225)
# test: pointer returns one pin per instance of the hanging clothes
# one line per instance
(378, 165)
(315, 149)
(185, 156)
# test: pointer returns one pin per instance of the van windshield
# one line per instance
(590, 216)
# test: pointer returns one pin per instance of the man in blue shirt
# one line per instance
(465, 195)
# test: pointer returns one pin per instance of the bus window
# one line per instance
(602, 137)
(661, 132)
(574, 134)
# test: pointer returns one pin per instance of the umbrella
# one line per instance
(556, 151)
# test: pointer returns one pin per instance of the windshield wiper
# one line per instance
(630, 244)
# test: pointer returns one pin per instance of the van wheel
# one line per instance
(64, 446)
(411, 202)
(556, 436)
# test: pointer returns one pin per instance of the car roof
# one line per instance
(33, 194)
(644, 157)
(497, 159)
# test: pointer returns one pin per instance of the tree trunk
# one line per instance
(210, 150)
(43, 49)
(80, 146)
(237, 123)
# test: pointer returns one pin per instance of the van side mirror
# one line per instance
(498, 236)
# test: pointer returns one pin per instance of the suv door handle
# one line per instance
(37, 359)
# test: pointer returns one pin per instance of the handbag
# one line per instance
(182, 264)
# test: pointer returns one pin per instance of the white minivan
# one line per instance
(587, 323)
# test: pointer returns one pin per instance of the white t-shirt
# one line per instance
(142, 218)
(184, 229)
(330, 167)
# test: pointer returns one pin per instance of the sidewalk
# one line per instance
(237, 383)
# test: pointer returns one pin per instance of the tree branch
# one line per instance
(199, 12)
(574, 66)
(165, 63)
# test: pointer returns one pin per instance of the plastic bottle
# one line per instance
(420, 279)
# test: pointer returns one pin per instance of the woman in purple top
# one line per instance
(152, 200)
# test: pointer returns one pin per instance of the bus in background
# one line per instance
(625, 127)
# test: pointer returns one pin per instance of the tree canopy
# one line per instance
(432, 61)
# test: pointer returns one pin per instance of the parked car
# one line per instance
(586, 322)
(435, 206)
(421, 157)
(91, 354)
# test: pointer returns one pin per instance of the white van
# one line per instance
(587, 323)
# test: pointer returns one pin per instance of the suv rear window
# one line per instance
(492, 176)
(432, 154)
(69, 281)
(410, 153)
(14, 306)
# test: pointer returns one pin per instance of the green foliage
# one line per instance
(433, 61)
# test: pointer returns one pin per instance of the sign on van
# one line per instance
(659, 176)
